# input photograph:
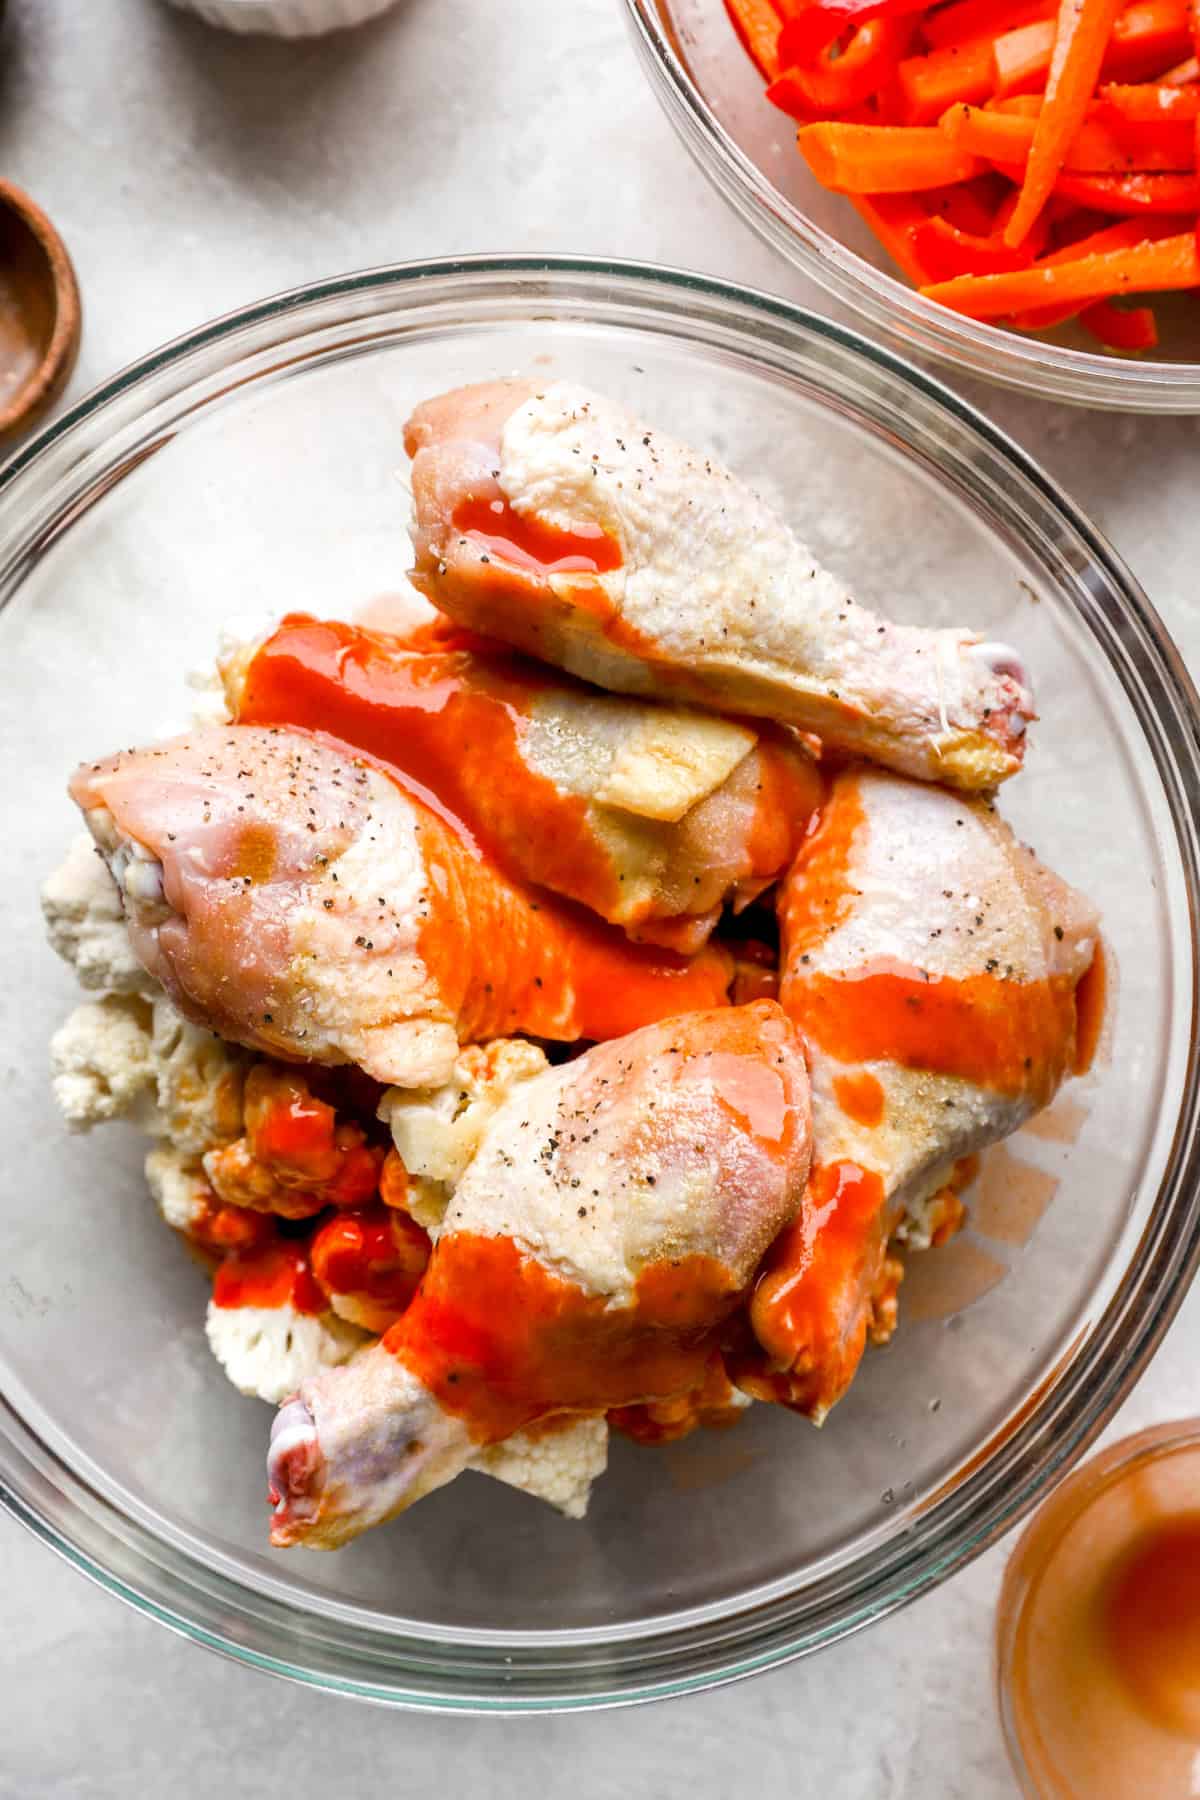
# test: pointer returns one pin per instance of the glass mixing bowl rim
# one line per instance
(1081, 377)
(327, 1644)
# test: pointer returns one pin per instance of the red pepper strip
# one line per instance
(1119, 327)
(1128, 195)
(1171, 263)
(969, 205)
(1095, 148)
(1183, 74)
(833, 84)
(822, 22)
(947, 252)
(967, 21)
(893, 218)
(1147, 102)
(1081, 39)
(883, 159)
(757, 24)
(929, 84)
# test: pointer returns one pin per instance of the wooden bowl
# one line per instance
(40, 316)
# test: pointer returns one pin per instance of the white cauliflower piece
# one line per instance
(86, 926)
(558, 1466)
(178, 1186)
(269, 1350)
(199, 1080)
(209, 705)
(437, 1131)
(100, 1063)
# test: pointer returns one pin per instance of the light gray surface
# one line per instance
(190, 172)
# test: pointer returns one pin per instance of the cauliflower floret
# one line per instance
(177, 1184)
(558, 1466)
(100, 1063)
(86, 926)
(437, 1131)
(199, 1080)
(269, 1350)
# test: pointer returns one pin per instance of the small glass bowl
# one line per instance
(255, 466)
(713, 95)
(1073, 1725)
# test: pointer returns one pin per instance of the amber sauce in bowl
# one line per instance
(1098, 1635)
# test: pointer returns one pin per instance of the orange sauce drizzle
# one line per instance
(269, 1277)
(371, 1252)
(499, 1339)
(1091, 1008)
(449, 719)
(860, 1098)
(1015, 1037)
(817, 895)
(531, 543)
(505, 961)
(811, 1306)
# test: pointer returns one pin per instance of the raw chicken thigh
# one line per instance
(292, 898)
(931, 964)
(553, 520)
(652, 816)
(607, 1226)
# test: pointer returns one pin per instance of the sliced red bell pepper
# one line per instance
(1130, 195)
(893, 219)
(970, 21)
(833, 84)
(1121, 327)
(821, 22)
(1183, 74)
(947, 252)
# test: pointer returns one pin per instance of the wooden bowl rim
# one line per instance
(48, 379)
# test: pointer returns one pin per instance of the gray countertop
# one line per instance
(191, 172)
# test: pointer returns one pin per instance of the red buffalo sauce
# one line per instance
(812, 1304)
(860, 1097)
(1091, 1009)
(279, 1274)
(1015, 1037)
(1151, 1622)
(531, 543)
(372, 1252)
(506, 960)
(451, 721)
(499, 1338)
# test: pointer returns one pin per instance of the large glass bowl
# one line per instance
(713, 95)
(253, 465)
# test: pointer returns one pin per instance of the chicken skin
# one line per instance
(554, 521)
(605, 1229)
(292, 898)
(652, 816)
(931, 964)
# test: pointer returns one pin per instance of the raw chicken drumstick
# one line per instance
(606, 1227)
(553, 520)
(292, 898)
(652, 816)
(931, 964)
